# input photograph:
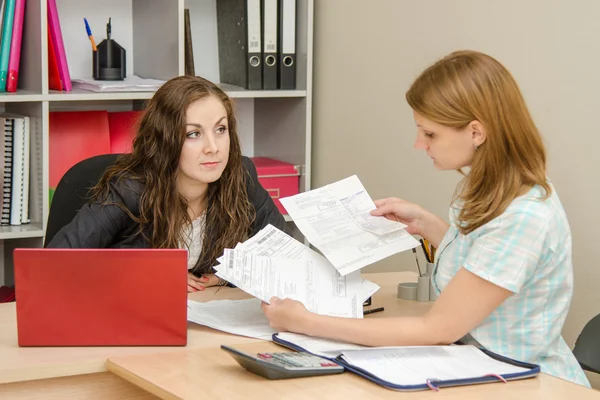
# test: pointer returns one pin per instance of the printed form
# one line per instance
(318, 286)
(336, 219)
(272, 263)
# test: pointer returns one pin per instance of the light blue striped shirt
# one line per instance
(527, 250)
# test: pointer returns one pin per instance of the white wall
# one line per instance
(368, 52)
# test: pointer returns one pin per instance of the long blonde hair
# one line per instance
(468, 86)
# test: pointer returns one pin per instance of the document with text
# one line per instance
(319, 287)
(336, 219)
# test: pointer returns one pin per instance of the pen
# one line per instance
(417, 260)
(424, 248)
(89, 33)
(373, 310)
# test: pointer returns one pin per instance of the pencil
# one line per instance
(417, 260)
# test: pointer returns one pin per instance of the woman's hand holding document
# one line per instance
(337, 220)
(273, 264)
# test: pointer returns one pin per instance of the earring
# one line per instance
(476, 147)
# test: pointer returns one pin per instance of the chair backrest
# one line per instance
(587, 346)
(72, 192)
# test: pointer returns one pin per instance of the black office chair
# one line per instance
(587, 346)
(72, 192)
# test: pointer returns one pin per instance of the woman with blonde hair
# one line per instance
(504, 271)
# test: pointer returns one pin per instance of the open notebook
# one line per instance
(414, 367)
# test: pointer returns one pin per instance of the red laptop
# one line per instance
(101, 297)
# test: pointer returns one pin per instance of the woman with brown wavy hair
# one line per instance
(184, 185)
(504, 273)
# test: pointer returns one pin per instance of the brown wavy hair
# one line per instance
(468, 86)
(154, 161)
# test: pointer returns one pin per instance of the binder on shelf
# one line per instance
(6, 127)
(26, 171)
(15, 47)
(189, 49)
(454, 365)
(18, 169)
(287, 44)
(240, 37)
(53, 75)
(73, 137)
(59, 47)
(122, 129)
(270, 32)
(7, 30)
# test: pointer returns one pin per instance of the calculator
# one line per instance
(284, 365)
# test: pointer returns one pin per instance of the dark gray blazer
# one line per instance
(100, 226)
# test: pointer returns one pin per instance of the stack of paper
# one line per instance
(131, 84)
(272, 263)
(337, 220)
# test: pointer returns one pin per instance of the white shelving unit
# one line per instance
(274, 123)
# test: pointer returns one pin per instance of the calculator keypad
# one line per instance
(296, 360)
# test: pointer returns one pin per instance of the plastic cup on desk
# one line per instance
(423, 288)
(407, 290)
(429, 268)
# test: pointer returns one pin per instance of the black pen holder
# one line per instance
(109, 61)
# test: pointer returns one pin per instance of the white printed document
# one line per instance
(314, 283)
(239, 317)
(336, 219)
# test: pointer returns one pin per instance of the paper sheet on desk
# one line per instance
(415, 365)
(239, 317)
(336, 219)
(318, 286)
(319, 346)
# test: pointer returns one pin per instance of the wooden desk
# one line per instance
(80, 372)
(213, 374)
(29, 363)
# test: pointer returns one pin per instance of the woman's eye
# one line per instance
(193, 134)
(429, 134)
(221, 129)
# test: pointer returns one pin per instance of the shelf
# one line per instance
(85, 95)
(21, 96)
(264, 94)
(21, 231)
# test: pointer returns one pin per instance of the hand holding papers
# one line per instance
(273, 263)
(336, 219)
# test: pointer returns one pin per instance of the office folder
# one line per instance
(7, 30)
(122, 126)
(513, 369)
(15, 47)
(59, 47)
(287, 44)
(270, 32)
(240, 37)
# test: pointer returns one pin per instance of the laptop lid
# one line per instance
(101, 297)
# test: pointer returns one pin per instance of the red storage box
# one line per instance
(279, 178)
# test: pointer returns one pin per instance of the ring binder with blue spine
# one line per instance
(531, 370)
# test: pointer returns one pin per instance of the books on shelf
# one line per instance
(14, 157)
(57, 56)
(12, 14)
